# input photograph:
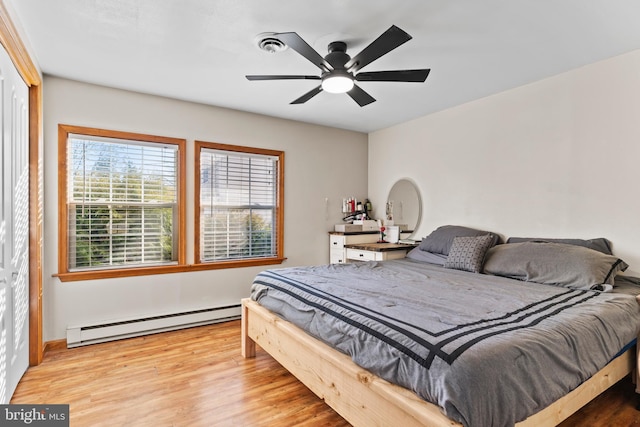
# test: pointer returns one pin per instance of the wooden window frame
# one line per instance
(63, 239)
(279, 214)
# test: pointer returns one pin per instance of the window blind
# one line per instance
(238, 194)
(122, 201)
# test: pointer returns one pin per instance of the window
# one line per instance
(239, 198)
(120, 202)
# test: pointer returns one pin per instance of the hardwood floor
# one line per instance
(196, 377)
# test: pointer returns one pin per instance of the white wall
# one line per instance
(322, 165)
(556, 158)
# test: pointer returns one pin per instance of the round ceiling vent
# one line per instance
(269, 43)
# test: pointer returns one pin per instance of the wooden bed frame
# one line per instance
(363, 399)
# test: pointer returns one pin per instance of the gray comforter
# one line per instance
(489, 351)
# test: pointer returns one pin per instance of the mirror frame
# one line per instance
(414, 187)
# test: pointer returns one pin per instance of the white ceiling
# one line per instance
(200, 50)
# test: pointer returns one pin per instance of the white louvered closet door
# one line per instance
(14, 228)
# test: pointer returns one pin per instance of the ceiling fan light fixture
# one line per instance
(337, 82)
(339, 71)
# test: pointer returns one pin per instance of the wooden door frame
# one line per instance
(12, 43)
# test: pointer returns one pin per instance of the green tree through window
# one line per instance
(123, 202)
(122, 205)
(239, 202)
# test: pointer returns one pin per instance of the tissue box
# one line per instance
(348, 228)
(367, 224)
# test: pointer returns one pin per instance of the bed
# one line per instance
(408, 342)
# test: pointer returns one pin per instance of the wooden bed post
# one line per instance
(248, 344)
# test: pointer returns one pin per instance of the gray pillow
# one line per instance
(422, 256)
(441, 239)
(600, 244)
(467, 253)
(553, 263)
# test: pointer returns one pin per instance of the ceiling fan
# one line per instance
(340, 71)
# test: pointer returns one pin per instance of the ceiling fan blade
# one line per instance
(389, 40)
(276, 77)
(418, 76)
(295, 42)
(360, 96)
(307, 96)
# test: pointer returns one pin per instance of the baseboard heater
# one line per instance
(92, 334)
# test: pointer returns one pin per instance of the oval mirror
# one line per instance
(404, 206)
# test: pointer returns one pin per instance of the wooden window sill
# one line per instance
(163, 269)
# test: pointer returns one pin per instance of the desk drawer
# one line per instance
(336, 242)
(337, 256)
(360, 255)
